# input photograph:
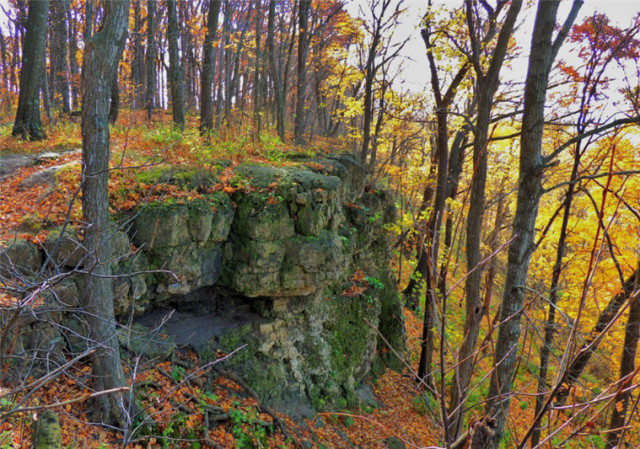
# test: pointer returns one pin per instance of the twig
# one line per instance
(81, 398)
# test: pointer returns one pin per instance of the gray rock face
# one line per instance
(19, 258)
(273, 269)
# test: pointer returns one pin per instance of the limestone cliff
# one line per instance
(294, 265)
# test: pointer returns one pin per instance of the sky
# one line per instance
(415, 74)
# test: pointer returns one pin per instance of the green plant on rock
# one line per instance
(375, 282)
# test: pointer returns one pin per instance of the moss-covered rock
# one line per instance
(64, 247)
(47, 433)
(138, 339)
(258, 218)
(200, 220)
(158, 226)
(222, 217)
(19, 258)
(272, 268)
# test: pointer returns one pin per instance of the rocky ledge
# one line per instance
(293, 268)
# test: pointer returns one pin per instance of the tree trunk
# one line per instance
(627, 373)
(257, 79)
(99, 68)
(300, 121)
(487, 85)
(59, 50)
(223, 62)
(6, 70)
(73, 61)
(28, 123)
(550, 326)
(232, 87)
(543, 52)
(137, 64)
(176, 76)
(369, 77)
(114, 105)
(46, 95)
(150, 59)
(593, 337)
(278, 83)
(208, 67)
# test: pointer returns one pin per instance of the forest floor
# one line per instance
(175, 399)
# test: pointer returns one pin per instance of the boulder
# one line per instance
(19, 258)
(64, 248)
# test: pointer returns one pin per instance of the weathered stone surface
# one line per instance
(270, 269)
(159, 226)
(120, 245)
(19, 258)
(222, 217)
(200, 220)
(139, 339)
(47, 176)
(259, 219)
(47, 433)
(64, 248)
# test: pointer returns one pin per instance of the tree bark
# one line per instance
(486, 87)
(627, 373)
(176, 76)
(59, 86)
(224, 77)
(150, 59)
(99, 68)
(73, 61)
(234, 75)
(593, 337)
(278, 83)
(257, 78)
(543, 53)
(208, 67)
(28, 123)
(6, 70)
(300, 122)
(137, 64)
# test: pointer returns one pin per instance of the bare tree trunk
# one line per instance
(177, 76)
(46, 94)
(487, 85)
(276, 76)
(99, 68)
(232, 87)
(257, 79)
(73, 61)
(543, 53)
(300, 121)
(208, 67)
(28, 123)
(89, 18)
(150, 59)
(114, 106)
(593, 337)
(223, 62)
(59, 50)
(627, 373)
(137, 64)
(6, 70)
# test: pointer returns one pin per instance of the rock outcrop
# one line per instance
(293, 268)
